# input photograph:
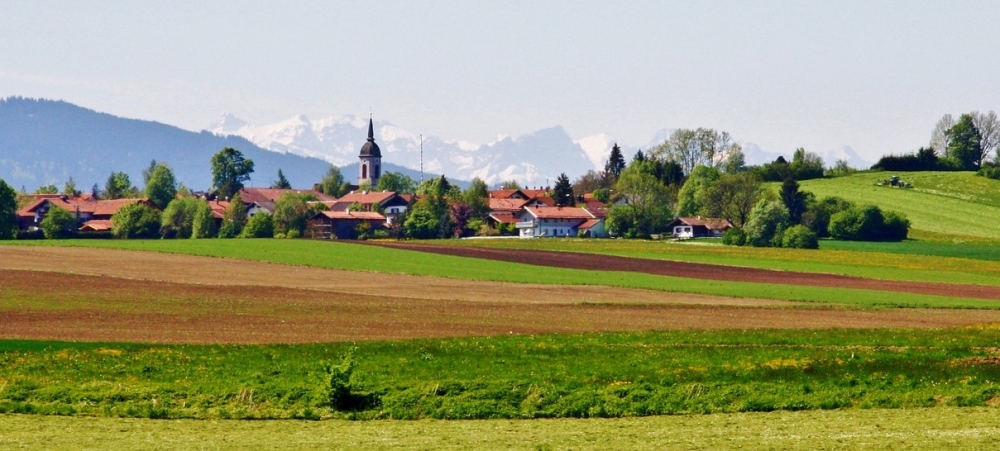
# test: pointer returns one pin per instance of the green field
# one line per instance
(944, 203)
(349, 256)
(936, 428)
(547, 376)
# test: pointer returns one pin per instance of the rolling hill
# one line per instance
(945, 203)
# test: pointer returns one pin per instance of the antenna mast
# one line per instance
(421, 158)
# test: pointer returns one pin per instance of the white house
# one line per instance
(558, 221)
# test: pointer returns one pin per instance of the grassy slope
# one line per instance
(337, 255)
(651, 373)
(951, 203)
(909, 261)
(938, 428)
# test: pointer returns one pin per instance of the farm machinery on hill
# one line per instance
(894, 182)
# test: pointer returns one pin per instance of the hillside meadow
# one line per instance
(942, 205)
(350, 256)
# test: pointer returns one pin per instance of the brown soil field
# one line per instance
(57, 306)
(600, 262)
(113, 295)
(187, 269)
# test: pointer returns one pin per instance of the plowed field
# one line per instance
(576, 260)
(105, 295)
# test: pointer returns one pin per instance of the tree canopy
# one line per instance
(161, 186)
(8, 211)
(333, 183)
(229, 170)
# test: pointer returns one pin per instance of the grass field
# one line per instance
(936, 428)
(531, 376)
(945, 203)
(337, 255)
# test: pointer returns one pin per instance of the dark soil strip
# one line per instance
(599, 262)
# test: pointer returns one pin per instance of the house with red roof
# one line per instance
(698, 227)
(545, 221)
(342, 224)
(263, 199)
(92, 214)
(391, 204)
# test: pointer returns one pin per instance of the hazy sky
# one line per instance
(875, 75)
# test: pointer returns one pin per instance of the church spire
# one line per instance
(371, 130)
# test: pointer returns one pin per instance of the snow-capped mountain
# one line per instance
(535, 159)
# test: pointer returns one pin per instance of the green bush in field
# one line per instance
(766, 224)
(868, 223)
(260, 225)
(59, 223)
(799, 237)
(136, 220)
(734, 237)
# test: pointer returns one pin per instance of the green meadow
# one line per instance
(351, 256)
(509, 377)
(941, 203)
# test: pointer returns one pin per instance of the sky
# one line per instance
(874, 75)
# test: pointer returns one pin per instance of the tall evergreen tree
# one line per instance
(616, 162)
(794, 200)
(563, 192)
(282, 182)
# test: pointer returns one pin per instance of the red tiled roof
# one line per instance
(504, 218)
(544, 200)
(218, 208)
(559, 213)
(260, 195)
(506, 204)
(535, 193)
(84, 205)
(710, 223)
(589, 224)
(97, 225)
(503, 193)
(367, 198)
(361, 215)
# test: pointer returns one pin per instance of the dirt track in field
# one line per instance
(599, 262)
(57, 306)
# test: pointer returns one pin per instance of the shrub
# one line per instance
(990, 170)
(799, 237)
(293, 234)
(734, 237)
(59, 223)
(895, 227)
(767, 221)
(868, 223)
(260, 225)
(136, 220)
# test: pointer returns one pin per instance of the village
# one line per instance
(361, 212)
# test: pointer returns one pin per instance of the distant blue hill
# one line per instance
(45, 142)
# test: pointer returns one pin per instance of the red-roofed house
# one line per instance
(698, 227)
(263, 199)
(558, 221)
(342, 224)
(85, 208)
(389, 202)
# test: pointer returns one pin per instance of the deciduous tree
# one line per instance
(396, 182)
(229, 170)
(59, 223)
(136, 220)
(118, 186)
(8, 211)
(161, 186)
(333, 183)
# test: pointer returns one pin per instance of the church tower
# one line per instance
(370, 166)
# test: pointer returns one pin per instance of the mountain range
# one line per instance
(535, 159)
(45, 142)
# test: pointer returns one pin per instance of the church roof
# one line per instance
(370, 149)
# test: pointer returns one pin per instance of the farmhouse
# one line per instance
(390, 203)
(342, 224)
(698, 227)
(263, 199)
(558, 221)
(93, 214)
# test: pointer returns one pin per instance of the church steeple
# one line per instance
(370, 168)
